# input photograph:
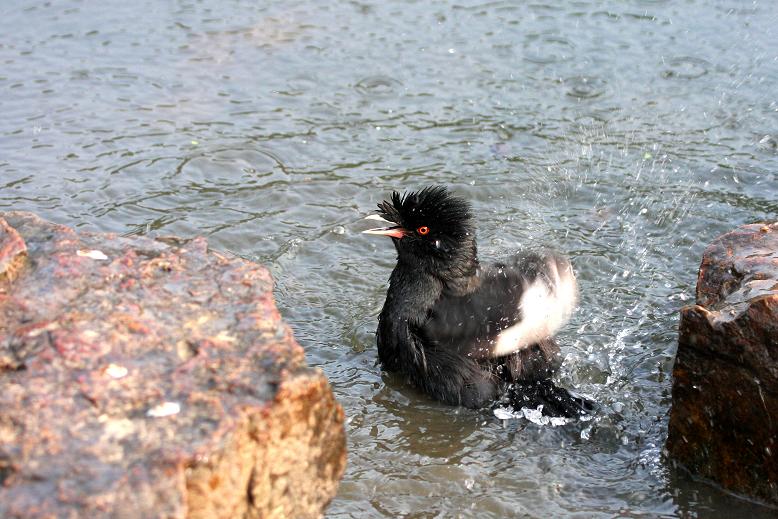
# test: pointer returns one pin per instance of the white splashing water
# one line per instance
(533, 415)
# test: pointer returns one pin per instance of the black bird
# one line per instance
(464, 333)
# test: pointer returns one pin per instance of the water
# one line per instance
(627, 133)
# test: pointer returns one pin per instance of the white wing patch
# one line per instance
(545, 306)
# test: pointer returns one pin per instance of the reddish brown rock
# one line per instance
(13, 252)
(141, 379)
(724, 417)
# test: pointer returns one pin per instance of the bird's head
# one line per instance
(431, 229)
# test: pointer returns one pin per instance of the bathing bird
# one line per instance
(465, 333)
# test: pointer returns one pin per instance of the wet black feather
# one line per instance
(443, 311)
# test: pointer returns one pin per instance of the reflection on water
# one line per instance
(628, 134)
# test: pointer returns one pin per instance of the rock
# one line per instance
(143, 379)
(13, 252)
(724, 417)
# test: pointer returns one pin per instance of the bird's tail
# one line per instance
(556, 401)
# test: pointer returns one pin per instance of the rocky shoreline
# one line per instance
(155, 378)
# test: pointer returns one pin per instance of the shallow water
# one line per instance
(627, 133)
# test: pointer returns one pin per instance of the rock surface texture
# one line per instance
(724, 418)
(142, 379)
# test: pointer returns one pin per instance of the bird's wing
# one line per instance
(516, 305)
(440, 372)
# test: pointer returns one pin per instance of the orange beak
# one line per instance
(393, 230)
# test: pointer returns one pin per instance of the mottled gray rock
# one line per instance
(140, 379)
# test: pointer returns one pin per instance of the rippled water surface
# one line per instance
(628, 133)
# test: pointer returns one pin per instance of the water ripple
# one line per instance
(585, 87)
(378, 86)
(545, 49)
(685, 67)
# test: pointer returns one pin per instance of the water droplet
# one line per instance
(502, 413)
(339, 229)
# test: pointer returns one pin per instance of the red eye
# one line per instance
(423, 230)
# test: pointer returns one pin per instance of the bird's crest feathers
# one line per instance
(433, 206)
